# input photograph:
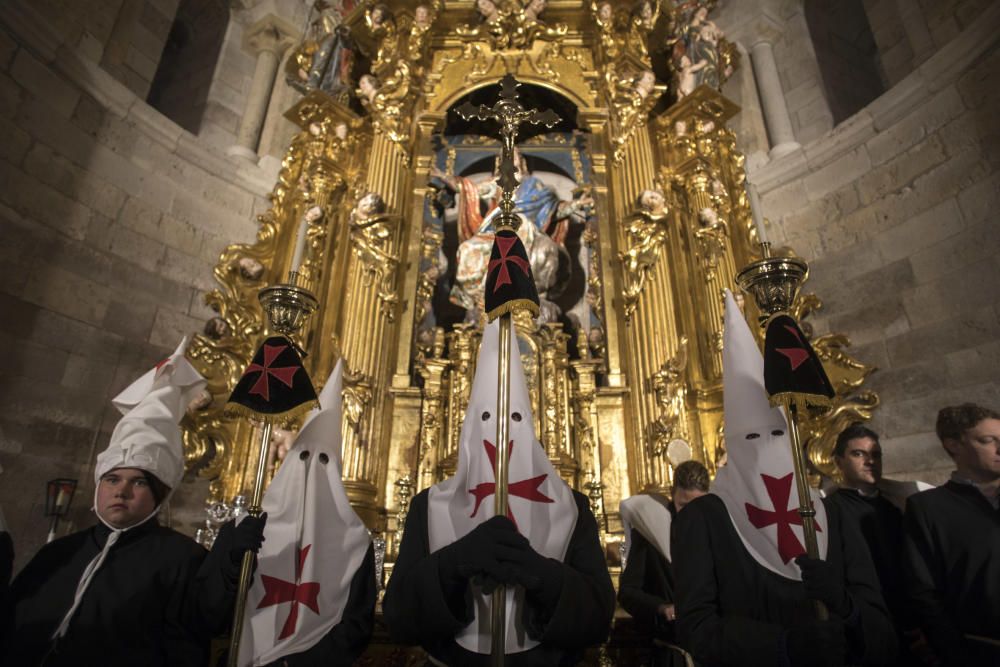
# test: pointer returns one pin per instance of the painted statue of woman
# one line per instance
(333, 61)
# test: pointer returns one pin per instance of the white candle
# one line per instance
(755, 211)
(300, 245)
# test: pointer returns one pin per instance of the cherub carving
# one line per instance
(371, 236)
(645, 232)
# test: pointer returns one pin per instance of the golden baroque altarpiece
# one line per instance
(635, 215)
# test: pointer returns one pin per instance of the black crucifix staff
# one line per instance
(507, 290)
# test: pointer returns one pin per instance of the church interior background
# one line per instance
(166, 159)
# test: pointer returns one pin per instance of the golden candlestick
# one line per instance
(773, 282)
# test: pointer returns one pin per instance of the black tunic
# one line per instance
(645, 584)
(951, 559)
(6, 568)
(133, 613)
(418, 609)
(733, 611)
(881, 524)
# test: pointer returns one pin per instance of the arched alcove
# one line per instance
(184, 76)
(846, 53)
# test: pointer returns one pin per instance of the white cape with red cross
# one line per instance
(541, 504)
(757, 483)
(314, 542)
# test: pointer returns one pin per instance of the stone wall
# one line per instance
(908, 32)
(112, 218)
(133, 50)
(896, 210)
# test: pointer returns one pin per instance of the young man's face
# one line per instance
(683, 496)
(124, 497)
(977, 452)
(861, 464)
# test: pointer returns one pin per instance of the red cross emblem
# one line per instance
(284, 374)
(527, 489)
(779, 490)
(505, 243)
(278, 591)
(796, 355)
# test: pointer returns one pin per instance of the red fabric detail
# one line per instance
(779, 490)
(284, 374)
(279, 591)
(526, 488)
(505, 243)
(795, 332)
(796, 356)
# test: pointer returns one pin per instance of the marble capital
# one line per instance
(271, 33)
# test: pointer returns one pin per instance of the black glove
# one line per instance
(822, 644)
(248, 535)
(822, 583)
(475, 555)
(541, 576)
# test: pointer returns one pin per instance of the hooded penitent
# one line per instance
(314, 542)
(540, 503)
(651, 517)
(147, 438)
(757, 484)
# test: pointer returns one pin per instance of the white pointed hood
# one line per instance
(314, 542)
(651, 517)
(757, 483)
(147, 436)
(541, 503)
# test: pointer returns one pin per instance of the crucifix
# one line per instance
(510, 114)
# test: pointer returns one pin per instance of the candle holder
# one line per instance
(288, 305)
(773, 282)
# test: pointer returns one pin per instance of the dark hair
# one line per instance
(853, 432)
(691, 475)
(159, 489)
(955, 420)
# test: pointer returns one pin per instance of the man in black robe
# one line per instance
(858, 456)
(546, 551)
(646, 588)
(746, 592)
(732, 611)
(951, 545)
(569, 605)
